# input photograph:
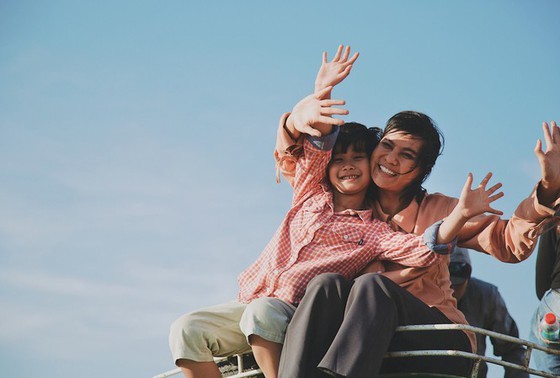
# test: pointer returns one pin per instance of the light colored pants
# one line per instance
(223, 330)
(550, 302)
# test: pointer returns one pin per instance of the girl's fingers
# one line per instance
(331, 102)
(331, 121)
(333, 111)
(309, 130)
(324, 57)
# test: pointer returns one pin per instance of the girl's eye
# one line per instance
(408, 156)
(337, 160)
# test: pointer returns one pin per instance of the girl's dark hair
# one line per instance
(360, 137)
(421, 126)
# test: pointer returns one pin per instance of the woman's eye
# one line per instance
(408, 156)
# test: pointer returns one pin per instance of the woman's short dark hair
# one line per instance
(423, 127)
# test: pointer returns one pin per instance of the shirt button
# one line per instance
(276, 271)
(346, 237)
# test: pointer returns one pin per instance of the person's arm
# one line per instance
(471, 203)
(513, 240)
(498, 319)
(308, 111)
(288, 138)
(334, 72)
(546, 261)
(441, 237)
(548, 190)
(313, 115)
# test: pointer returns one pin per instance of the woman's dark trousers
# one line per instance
(343, 328)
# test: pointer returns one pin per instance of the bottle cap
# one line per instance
(550, 318)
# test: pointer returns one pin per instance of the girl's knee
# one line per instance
(267, 318)
(186, 327)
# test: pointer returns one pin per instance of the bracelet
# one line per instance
(294, 139)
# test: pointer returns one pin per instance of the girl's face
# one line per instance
(349, 172)
(394, 162)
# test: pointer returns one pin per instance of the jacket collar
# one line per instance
(405, 220)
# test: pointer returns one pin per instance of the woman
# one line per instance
(344, 328)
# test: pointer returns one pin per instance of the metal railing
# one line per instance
(238, 374)
(420, 353)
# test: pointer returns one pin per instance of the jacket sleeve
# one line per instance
(286, 152)
(499, 320)
(509, 240)
(311, 167)
(548, 250)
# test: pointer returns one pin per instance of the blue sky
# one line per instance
(136, 144)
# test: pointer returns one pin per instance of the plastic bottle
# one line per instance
(550, 327)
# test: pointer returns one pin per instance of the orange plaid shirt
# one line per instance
(313, 239)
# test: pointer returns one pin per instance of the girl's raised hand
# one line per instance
(313, 116)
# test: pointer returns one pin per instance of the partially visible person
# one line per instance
(329, 228)
(547, 283)
(484, 307)
(401, 162)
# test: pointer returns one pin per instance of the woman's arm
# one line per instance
(333, 72)
(472, 202)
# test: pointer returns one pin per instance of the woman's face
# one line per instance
(394, 162)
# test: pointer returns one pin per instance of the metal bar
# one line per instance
(427, 327)
(431, 327)
(168, 373)
(240, 373)
(474, 356)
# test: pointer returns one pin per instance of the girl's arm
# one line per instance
(313, 116)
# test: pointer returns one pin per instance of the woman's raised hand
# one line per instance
(333, 72)
(477, 201)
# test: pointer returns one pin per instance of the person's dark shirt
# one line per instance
(484, 307)
(548, 262)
